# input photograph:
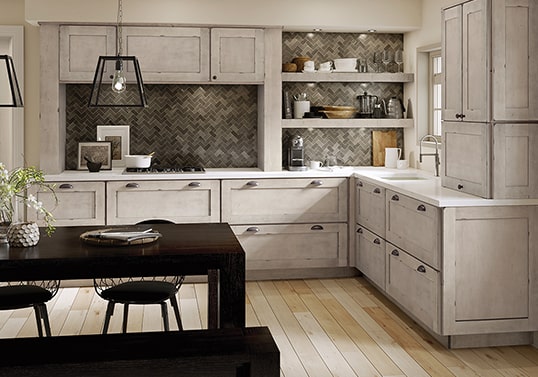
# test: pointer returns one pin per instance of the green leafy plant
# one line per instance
(14, 187)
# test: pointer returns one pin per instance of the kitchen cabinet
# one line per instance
(288, 246)
(370, 206)
(72, 203)
(414, 285)
(181, 201)
(169, 54)
(466, 158)
(414, 226)
(370, 256)
(237, 55)
(298, 200)
(489, 268)
(80, 48)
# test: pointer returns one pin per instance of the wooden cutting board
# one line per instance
(380, 141)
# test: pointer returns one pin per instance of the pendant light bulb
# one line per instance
(119, 83)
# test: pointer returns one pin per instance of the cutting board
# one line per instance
(380, 141)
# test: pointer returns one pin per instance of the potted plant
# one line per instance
(14, 187)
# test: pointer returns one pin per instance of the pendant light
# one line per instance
(8, 76)
(115, 77)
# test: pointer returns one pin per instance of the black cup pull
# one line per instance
(377, 190)
(395, 252)
(317, 182)
(377, 241)
(66, 186)
(195, 184)
(316, 227)
(132, 185)
(253, 229)
(360, 184)
(421, 268)
(359, 231)
(395, 198)
(421, 208)
(252, 183)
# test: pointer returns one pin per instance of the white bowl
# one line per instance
(137, 161)
(345, 64)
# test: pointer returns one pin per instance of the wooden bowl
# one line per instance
(339, 112)
(289, 67)
(299, 61)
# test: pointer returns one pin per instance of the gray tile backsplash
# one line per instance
(216, 125)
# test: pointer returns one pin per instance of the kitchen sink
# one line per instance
(403, 177)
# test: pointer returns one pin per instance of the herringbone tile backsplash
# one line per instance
(216, 125)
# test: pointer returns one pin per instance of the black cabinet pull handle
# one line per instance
(66, 186)
(421, 268)
(377, 190)
(377, 241)
(132, 185)
(253, 229)
(460, 186)
(214, 77)
(252, 183)
(395, 198)
(421, 208)
(317, 182)
(359, 231)
(316, 227)
(395, 252)
(360, 184)
(195, 184)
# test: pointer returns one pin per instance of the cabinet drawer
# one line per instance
(129, 202)
(371, 256)
(414, 226)
(414, 285)
(293, 245)
(370, 207)
(79, 203)
(284, 200)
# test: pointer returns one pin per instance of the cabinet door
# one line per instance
(237, 55)
(169, 54)
(414, 286)
(466, 157)
(73, 204)
(129, 202)
(80, 48)
(515, 161)
(292, 246)
(415, 227)
(452, 40)
(370, 207)
(489, 269)
(284, 200)
(515, 59)
(370, 256)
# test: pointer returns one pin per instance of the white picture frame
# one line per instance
(118, 135)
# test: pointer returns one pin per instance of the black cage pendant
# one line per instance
(11, 97)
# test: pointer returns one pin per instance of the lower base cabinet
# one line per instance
(289, 246)
(414, 285)
(370, 256)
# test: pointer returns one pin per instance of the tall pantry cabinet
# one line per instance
(490, 92)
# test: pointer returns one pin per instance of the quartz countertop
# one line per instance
(415, 183)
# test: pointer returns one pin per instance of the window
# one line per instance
(435, 100)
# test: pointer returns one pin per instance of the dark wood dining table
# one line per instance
(184, 249)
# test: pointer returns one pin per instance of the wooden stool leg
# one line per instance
(37, 312)
(173, 301)
(45, 316)
(164, 313)
(109, 313)
(125, 316)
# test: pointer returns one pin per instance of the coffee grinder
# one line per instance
(296, 155)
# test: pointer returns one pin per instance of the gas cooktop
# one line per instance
(165, 170)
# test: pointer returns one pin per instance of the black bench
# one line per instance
(238, 352)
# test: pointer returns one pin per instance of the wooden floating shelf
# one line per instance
(346, 77)
(347, 123)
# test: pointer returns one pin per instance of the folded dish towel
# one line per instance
(123, 235)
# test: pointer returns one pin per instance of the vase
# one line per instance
(23, 234)
(3, 232)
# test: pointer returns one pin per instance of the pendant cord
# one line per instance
(120, 27)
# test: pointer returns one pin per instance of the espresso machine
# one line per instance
(296, 154)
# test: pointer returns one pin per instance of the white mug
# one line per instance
(315, 164)
(299, 108)
(402, 164)
(392, 155)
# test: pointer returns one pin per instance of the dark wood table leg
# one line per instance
(232, 292)
(213, 299)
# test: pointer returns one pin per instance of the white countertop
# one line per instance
(421, 185)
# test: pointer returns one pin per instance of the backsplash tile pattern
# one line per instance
(212, 125)
(350, 146)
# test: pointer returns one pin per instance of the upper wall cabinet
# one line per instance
(169, 54)
(237, 55)
(80, 48)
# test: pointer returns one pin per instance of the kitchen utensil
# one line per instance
(402, 164)
(366, 105)
(392, 155)
(299, 61)
(395, 108)
(339, 112)
(398, 58)
(300, 97)
(345, 64)
(93, 166)
(289, 67)
(330, 161)
(380, 141)
(315, 164)
(138, 160)
(300, 108)
(380, 109)
(386, 59)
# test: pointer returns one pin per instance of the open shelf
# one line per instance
(346, 77)
(347, 123)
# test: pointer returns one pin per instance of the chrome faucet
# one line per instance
(436, 154)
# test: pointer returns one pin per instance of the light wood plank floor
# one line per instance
(330, 327)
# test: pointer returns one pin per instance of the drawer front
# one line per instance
(370, 207)
(293, 245)
(371, 256)
(129, 202)
(284, 200)
(414, 285)
(414, 226)
(79, 203)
